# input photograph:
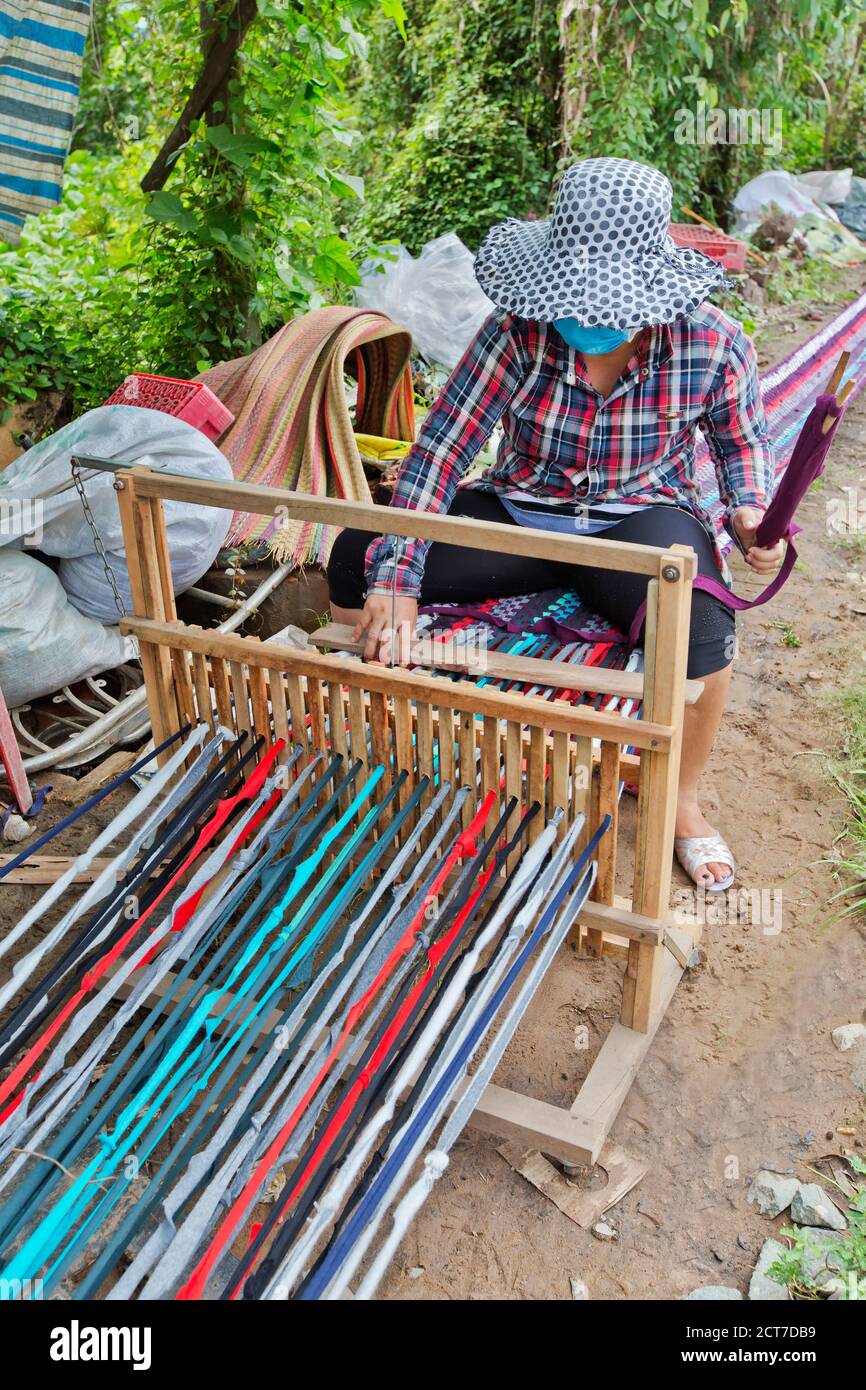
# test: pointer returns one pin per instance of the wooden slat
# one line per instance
(167, 612)
(337, 730)
(380, 746)
(316, 707)
(297, 708)
(559, 778)
(665, 654)
(525, 670)
(222, 694)
(432, 526)
(240, 691)
(358, 726)
(277, 692)
(514, 782)
(404, 754)
(619, 920)
(580, 778)
(425, 745)
(467, 772)
(536, 768)
(201, 684)
(259, 698)
(490, 777)
(445, 737)
(47, 868)
(156, 665)
(390, 681)
(535, 1123)
(606, 804)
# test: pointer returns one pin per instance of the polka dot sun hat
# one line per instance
(604, 257)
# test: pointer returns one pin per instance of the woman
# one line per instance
(600, 362)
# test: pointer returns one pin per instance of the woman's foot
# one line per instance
(692, 825)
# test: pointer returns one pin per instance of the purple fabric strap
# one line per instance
(724, 595)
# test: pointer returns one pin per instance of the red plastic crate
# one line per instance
(727, 250)
(191, 401)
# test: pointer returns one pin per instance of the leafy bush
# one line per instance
(465, 163)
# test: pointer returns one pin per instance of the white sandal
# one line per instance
(695, 851)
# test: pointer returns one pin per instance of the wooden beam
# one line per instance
(620, 921)
(666, 651)
(47, 868)
(537, 1125)
(395, 681)
(526, 670)
(397, 521)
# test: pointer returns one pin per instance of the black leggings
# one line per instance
(455, 574)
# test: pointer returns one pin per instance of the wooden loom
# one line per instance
(537, 749)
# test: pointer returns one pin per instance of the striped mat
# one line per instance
(292, 425)
(41, 55)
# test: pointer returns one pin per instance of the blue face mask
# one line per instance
(590, 341)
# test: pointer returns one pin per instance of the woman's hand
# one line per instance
(379, 612)
(762, 559)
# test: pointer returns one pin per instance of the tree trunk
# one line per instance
(220, 53)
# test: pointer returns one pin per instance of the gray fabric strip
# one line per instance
(332, 1200)
(436, 1161)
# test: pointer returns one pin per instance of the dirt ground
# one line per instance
(742, 1073)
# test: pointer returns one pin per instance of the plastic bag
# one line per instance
(853, 211)
(779, 187)
(45, 643)
(135, 436)
(435, 296)
(826, 185)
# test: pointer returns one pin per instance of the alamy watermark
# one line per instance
(755, 907)
(21, 518)
(732, 125)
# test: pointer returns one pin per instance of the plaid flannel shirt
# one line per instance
(563, 441)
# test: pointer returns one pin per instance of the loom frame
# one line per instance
(293, 692)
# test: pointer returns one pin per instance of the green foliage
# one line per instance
(345, 123)
(245, 233)
(464, 164)
(460, 124)
(849, 1253)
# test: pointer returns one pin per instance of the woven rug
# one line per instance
(292, 426)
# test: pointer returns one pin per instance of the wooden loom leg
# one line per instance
(139, 547)
(666, 654)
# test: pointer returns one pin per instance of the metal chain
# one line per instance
(97, 539)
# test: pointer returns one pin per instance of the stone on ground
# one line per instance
(812, 1207)
(763, 1289)
(771, 1193)
(848, 1035)
(708, 1292)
